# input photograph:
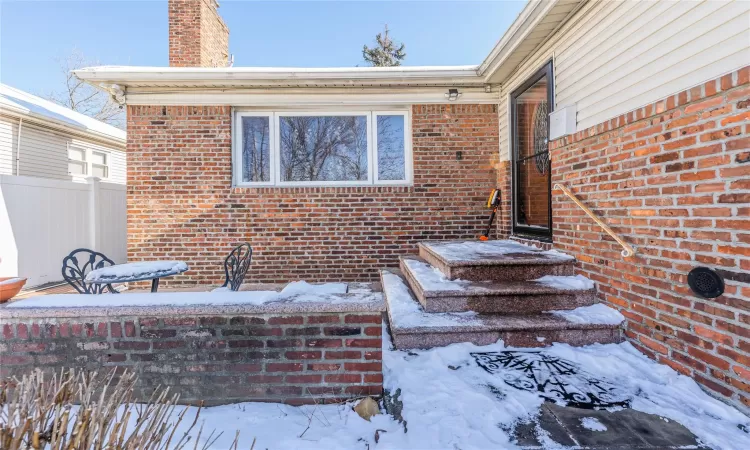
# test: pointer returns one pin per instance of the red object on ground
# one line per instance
(9, 287)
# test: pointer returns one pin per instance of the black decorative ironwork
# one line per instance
(541, 149)
(236, 266)
(555, 379)
(705, 282)
(80, 262)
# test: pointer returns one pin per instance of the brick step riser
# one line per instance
(498, 272)
(519, 338)
(504, 304)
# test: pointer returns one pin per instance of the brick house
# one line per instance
(639, 108)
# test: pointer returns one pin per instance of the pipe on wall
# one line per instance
(18, 147)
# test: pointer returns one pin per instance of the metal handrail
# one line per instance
(628, 250)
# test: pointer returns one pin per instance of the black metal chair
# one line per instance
(236, 266)
(80, 262)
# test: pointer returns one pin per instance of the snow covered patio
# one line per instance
(458, 373)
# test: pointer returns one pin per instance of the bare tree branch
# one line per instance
(84, 98)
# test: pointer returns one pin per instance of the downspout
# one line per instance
(18, 147)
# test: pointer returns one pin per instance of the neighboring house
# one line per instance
(50, 200)
(640, 108)
(39, 138)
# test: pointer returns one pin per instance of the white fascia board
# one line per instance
(249, 76)
(527, 19)
(275, 98)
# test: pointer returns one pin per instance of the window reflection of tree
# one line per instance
(323, 148)
(255, 149)
(390, 149)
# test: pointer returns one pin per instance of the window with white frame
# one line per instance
(84, 162)
(322, 148)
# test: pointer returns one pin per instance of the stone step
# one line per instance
(436, 293)
(412, 327)
(494, 260)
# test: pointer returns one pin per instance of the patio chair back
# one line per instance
(236, 266)
(80, 262)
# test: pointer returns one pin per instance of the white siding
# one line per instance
(613, 57)
(8, 133)
(44, 152)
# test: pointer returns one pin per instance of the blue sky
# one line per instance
(262, 33)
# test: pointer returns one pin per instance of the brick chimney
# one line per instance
(198, 37)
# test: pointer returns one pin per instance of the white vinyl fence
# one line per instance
(42, 220)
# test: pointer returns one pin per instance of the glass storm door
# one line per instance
(531, 105)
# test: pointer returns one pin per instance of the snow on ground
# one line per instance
(136, 270)
(407, 312)
(593, 424)
(432, 279)
(450, 403)
(576, 282)
(468, 408)
(593, 314)
(474, 250)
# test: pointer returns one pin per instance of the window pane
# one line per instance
(99, 158)
(256, 155)
(99, 170)
(76, 168)
(391, 162)
(323, 148)
(77, 154)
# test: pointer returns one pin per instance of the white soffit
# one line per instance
(531, 29)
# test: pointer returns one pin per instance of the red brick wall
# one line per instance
(296, 359)
(673, 178)
(198, 37)
(181, 203)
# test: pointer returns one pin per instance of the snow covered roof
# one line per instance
(24, 104)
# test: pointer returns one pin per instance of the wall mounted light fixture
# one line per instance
(452, 94)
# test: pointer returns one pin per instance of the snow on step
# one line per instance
(494, 260)
(465, 251)
(437, 293)
(413, 327)
(598, 313)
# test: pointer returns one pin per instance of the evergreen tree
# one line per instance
(386, 53)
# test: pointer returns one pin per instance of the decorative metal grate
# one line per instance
(541, 149)
(555, 379)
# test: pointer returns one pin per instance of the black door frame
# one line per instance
(545, 71)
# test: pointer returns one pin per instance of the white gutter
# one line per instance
(428, 75)
(18, 146)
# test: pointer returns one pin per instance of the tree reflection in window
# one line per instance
(256, 149)
(323, 148)
(390, 149)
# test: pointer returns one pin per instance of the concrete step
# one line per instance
(436, 293)
(494, 260)
(412, 327)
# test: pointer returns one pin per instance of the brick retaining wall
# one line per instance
(220, 358)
